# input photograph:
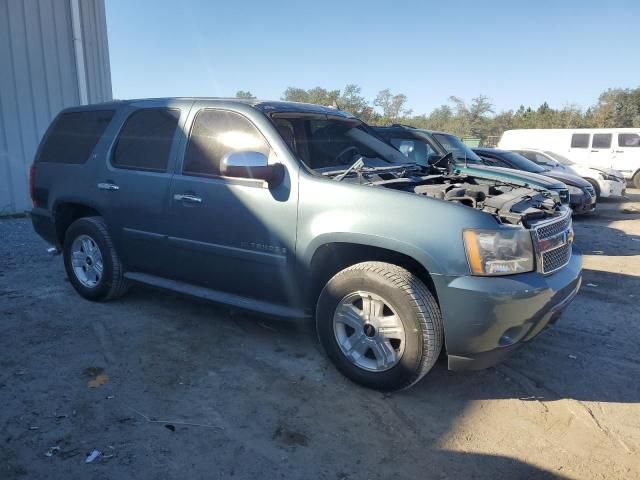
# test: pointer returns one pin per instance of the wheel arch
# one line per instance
(331, 257)
(65, 212)
(595, 184)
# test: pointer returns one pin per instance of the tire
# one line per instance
(110, 283)
(596, 187)
(636, 180)
(405, 298)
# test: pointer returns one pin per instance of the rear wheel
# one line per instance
(91, 261)
(380, 325)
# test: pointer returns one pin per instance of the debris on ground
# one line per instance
(591, 285)
(98, 381)
(168, 426)
(572, 357)
(92, 455)
(52, 451)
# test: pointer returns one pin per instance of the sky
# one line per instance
(515, 52)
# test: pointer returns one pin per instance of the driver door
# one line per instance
(230, 234)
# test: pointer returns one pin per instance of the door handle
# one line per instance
(619, 151)
(594, 151)
(181, 197)
(108, 186)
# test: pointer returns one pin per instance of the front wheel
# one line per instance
(596, 188)
(380, 325)
(636, 180)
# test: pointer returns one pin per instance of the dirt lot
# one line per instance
(170, 387)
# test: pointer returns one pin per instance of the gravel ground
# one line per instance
(167, 386)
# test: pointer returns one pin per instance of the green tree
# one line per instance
(392, 106)
(244, 94)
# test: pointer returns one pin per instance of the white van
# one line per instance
(617, 148)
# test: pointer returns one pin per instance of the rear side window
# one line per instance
(580, 140)
(216, 133)
(74, 135)
(628, 140)
(601, 140)
(144, 143)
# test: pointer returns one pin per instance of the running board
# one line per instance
(217, 296)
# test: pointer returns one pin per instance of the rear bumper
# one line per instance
(486, 318)
(45, 226)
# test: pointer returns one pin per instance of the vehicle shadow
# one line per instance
(594, 237)
(430, 426)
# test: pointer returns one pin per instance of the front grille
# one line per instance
(557, 258)
(553, 243)
(550, 229)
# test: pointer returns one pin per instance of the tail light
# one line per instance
(32, 184)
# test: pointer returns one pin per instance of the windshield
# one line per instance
(523, 163)
(460, 151)
(559, 158)
(325, 143)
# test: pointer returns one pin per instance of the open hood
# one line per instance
(517, 177)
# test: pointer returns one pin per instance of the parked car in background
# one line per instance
(298, 210)
(424, 146)
(617, 148)
(607, 182)
(582, 195)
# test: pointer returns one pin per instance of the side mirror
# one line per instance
(248, 164)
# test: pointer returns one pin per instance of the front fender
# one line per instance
(426, 229)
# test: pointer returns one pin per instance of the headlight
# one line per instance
(499, 252)
(612, 178)
(575, 190)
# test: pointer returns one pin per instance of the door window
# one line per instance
(628, 140)
(416, 150)
(601, 140)
(216, 133)
(144, 143)
(580, 140)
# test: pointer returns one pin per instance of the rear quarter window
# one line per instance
(73, 136)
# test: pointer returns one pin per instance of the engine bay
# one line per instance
(509, 203)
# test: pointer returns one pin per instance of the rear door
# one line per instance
(601, 152)
(134, 182)
(627, 153)
(230, 234)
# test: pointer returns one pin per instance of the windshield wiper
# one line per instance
(355, 167)
(361, 168)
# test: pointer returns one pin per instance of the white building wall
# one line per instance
(39, 77)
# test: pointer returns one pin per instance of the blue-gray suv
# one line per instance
(297, 210)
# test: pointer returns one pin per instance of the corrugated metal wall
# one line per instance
(38, 78)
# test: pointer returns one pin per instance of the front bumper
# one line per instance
(583, 203)
(486, 318)
(612, 188)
